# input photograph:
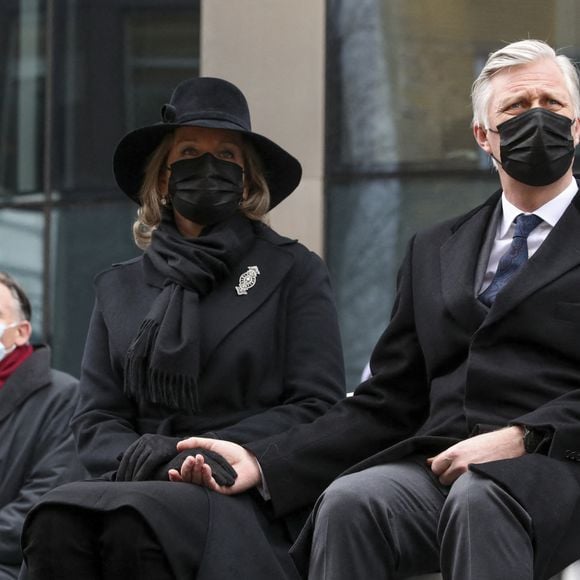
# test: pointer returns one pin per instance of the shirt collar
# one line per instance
(550, 212)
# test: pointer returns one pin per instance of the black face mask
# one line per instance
(206, 190)
(536, 147)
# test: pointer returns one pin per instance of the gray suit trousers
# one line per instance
(396, 520)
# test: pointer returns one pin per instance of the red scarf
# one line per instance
(12, 361)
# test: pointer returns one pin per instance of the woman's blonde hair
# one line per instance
(255, 206)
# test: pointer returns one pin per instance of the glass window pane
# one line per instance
(87, 239)
(153, 66)
(21, 253)
(22, 82)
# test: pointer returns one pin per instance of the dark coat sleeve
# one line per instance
(104, 424)
(313, 372)
(387, 408)
(52, 462)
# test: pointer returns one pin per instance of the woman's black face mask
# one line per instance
(536, 147)
(206, 190)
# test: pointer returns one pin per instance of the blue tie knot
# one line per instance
(525, 224)
(513, 259)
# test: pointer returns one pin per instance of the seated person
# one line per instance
(37, 450)
(222, 328)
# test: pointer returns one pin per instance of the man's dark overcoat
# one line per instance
(37, 450)
(448, 367)
(270, 359)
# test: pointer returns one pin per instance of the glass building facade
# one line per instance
(77, 74)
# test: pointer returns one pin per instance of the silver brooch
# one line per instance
(247, 280)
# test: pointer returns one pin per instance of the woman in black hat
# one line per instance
(222, 328)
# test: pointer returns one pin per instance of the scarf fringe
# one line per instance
(146, 384)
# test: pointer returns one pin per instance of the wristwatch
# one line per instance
(532, 439)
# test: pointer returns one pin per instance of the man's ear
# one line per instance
(576, 131)
(480, 134)
(23, 332)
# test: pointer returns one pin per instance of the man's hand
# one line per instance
(195, 470)
(502, 444)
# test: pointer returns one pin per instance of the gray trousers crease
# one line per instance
(393, 521)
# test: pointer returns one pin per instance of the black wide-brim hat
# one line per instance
(204, 102)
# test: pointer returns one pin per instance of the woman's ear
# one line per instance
(163, 180)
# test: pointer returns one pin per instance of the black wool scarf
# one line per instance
(163, 361)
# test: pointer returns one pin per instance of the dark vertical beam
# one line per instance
(47, 173)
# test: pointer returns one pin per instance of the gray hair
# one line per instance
(514, 54)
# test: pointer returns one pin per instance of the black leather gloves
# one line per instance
(143, 458)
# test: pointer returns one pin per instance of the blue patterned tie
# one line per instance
(513, 259)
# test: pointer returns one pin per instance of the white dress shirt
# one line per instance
(550, 213)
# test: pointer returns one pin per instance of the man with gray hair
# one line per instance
(37, 450)
(461, 452)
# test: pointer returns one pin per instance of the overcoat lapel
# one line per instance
(224, 309)
(459, 259)
(559, 253)
(28, 378)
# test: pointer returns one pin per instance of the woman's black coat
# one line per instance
(270, 359)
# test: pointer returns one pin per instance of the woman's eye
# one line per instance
(189, 152)
(227, 154)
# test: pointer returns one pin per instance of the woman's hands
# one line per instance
(195, 470)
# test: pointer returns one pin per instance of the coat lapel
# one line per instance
(559, 253)
(29, 377)
(459, 260)
(224, 309)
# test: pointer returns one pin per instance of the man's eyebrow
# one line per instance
(526, 94)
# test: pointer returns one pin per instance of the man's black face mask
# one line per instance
(206, 190)
(536, 147)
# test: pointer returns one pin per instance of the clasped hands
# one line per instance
(197, 470)
(152, 456)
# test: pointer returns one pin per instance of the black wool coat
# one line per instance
(447, 367)
(270, 359)
(37, 450)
